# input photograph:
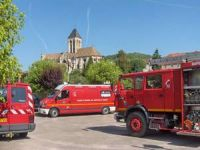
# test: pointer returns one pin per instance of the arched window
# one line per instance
(70, 46)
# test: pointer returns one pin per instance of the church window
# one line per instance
(74, 46)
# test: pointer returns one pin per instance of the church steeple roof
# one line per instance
(74, 34)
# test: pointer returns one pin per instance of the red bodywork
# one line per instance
(17, 111)
(164, 101)
(81, 99)
(155, 100)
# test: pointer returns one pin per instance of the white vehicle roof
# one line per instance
(61, 86)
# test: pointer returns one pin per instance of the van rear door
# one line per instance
(19, 108)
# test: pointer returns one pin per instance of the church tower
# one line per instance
(74, 41)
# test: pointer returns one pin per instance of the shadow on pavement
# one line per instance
(170, 138)
(110, 130)
(68, 115)
(6, 139)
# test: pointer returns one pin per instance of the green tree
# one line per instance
(103, 71)
(135, 61)
(90, 61)
(11, 21)
(10, 69)
(77, 77)
(122, 61)
(156, 55)
(44, 75)
(136, 65)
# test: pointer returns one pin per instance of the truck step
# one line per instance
(156, 118)
(188, 133)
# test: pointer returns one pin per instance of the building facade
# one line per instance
(76, 56)
(174, 60)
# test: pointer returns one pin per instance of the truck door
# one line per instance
(126, 96)
(154, 95)
(19, 113)
(139, 89)
(63, 101)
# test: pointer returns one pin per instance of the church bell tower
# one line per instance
(74, 41)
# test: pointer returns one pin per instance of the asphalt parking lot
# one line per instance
(93, 132)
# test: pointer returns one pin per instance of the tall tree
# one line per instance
(90, 61)
(103, 71)
(11, 21)
(156, 55)
(122, 61)
(136, 65)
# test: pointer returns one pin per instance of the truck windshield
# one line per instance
(3, 95)
(53, 94)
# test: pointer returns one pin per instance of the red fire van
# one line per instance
(16, 110)
(76, 99)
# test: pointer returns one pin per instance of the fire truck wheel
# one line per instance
(105, 110)
(136, 124)
(23, 135)
(53, 112)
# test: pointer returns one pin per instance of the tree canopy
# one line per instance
(77, 77)
(103, 71)
(156, 55)
(11, 21)
(130, 62)
(45, 75)
(122, 60)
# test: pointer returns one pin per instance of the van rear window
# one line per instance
(105, 93)
(18, 95)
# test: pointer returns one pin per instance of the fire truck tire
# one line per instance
(23, 135)
(136, 124)
(53, 112)
(105, 110)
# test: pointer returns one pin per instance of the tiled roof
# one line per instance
(177, 58)
(55, 56)
(83, 52)
(74, 34)
(88, 51)
(175, 54)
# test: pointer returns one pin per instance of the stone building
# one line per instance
(173, 60)
(76, 56)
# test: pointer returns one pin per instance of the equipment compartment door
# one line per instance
(154, 93)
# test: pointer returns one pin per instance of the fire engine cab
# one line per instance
(16, 110)
(160, 100)
(76, 99)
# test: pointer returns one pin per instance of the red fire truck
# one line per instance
(160, 100)
(16, 110)
(76, 99)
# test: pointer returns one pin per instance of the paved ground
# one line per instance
(93, 132)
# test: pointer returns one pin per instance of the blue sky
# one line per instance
(109, 25)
